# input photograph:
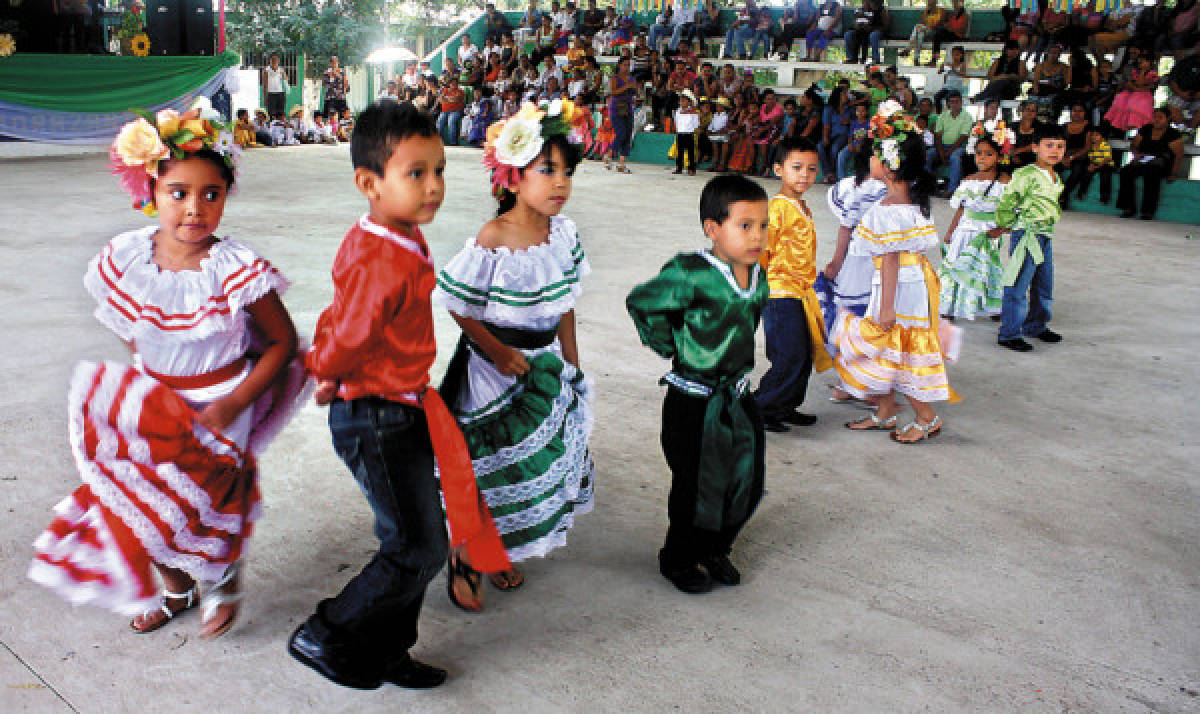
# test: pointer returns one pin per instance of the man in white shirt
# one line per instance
(467, 51)
(564, 19)
(410, 78)
(549, 69)
(683, 17)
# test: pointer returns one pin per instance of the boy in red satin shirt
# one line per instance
(371, 355)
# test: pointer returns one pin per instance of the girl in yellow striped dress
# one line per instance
(898, 345)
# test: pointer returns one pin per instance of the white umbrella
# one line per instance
(391, 54)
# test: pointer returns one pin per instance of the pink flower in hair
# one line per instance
(135, 180)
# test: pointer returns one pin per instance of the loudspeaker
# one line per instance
(164, 27)
(199, 34)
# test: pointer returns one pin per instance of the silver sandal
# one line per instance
(928, 431)
(877, 423)
(213, 599)
(189, 594)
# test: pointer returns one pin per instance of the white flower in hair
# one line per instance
(520, 141)
(971, 145)
(223, 143)
(890, 153)
(554, 108)
(889, 108)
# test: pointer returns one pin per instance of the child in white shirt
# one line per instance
(687, 120)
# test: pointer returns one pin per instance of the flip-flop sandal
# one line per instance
(508, 580)
(928, 431)
(214, 599)
(456, 569)
(623, 170)
(876, 424)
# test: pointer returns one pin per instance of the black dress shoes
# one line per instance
(691, 580)
(311, 652)
(1049, 336)
(721, 570)
(1016, 345)
(411, 674)
(798, 418)
(774, 425)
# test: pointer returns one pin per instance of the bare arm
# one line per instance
(508, 360)
(273, 320)
(839, 253)
(953, 224)
(566, 338)
(889, 272)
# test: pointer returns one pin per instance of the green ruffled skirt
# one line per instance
(972, 285)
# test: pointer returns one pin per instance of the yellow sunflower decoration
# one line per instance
(7, 45)
(140, 44)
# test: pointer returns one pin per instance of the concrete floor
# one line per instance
(1042, 555)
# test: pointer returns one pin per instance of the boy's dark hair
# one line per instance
(380, 126)
(877, 76)
(243, 113)
(789, 102)
(723, 191)
(790, 144)
(1048, 130)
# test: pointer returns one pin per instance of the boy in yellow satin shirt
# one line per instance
(792, 318)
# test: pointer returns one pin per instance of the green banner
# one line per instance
(103, 83)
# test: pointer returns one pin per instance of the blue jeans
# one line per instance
(956, 168)
(828, 154)
(853, 46)
(386, 447)
(683, 29)
(452, 121)
(736, 39)
(1026, 306)
(845, 166)
(762, 37)
(789, 349)
(657, 32)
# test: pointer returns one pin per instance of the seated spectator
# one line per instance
(870, 25)
(322, 131)
(931, 20)
(509, 54)
(564, 18)
(950, 133)
(345, 125)
(762, 34)
(955, 27)
(1152, 23)
(300, 125)
(1184, 29)
(955, 70)
(810, 112)
(931, 154)
(467, 51)
(1078, 131)
(718, 134)
(856, 139)
(410, 79)
(576, 86)
(1053, 24)
(551, 91)
(1107, 86)
(491, 48)
(484, 112)
(1085, 21)
(740, 30)
(1005, 77)
(545, 41)
(1183, 84)
(577, 54)
(1157, 151)
(550, 70)
(1082, 82)
(1134, 105)
(262, 128)
(829, 25)
(389, 91)
(904, 94)
(603, 39)
(496, 26)
(1025, 135)
(592, 21)
(243, 130)
(624, 34)
(1100, 161)
(532, 19)
(661, 28)
(708, 21)
(1116, 33)
(1049, 80)
(683, 24)
(282, 132)
(926, 108)
(706, 83)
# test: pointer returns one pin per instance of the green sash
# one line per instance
(1028, 245)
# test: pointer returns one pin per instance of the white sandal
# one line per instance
(189, 594)
(877, 423)
(928, 431)
(213, 600)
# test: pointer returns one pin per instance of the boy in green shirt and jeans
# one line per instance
(1029, 207)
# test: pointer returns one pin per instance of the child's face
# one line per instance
(190, 198)
(798, 170)
(412, 186)
(922, 123)
(860, 112)
(545, 185)
(958, 55)
(685, 104)
(985, 156)
(740, 239)
(1050, 151)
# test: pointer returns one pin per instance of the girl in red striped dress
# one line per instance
(165, 447)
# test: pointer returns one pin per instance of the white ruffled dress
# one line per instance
(850, 202)
(158, 487)
(528, 436)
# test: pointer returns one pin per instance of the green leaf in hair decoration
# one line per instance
(148, 116)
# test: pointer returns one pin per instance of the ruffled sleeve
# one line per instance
(116, 308)
(244, 275)
(895, 229)
(516, 288)
(961, 195)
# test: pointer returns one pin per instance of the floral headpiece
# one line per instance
(997, 131)
(889, 128)
(150, 138)
(515, 142)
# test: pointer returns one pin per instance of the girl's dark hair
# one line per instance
(921, 184)
(862, 161)
(206, 154)
(837, 98)
(814, 96)
(380, 127)
(571, 155)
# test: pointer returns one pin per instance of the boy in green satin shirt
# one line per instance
(1030, 208)
(701, 312)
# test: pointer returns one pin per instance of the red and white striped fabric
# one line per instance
(157, 488)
